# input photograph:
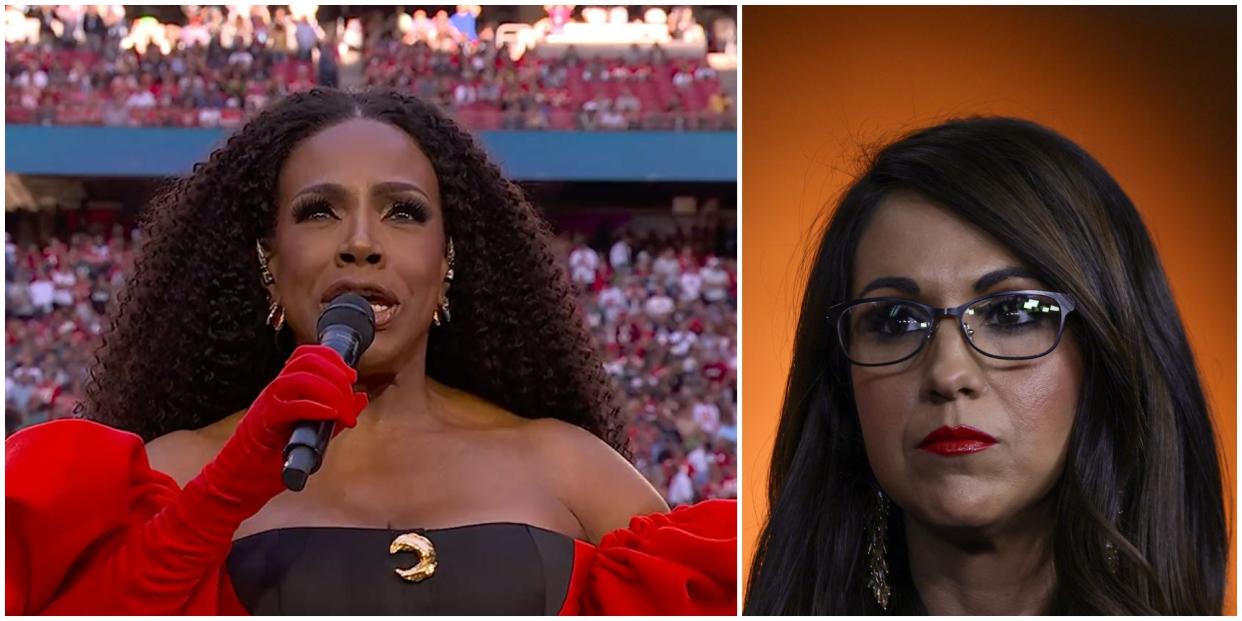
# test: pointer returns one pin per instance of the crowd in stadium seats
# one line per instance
(662, 310)
(88, 68)
(56, 298)
(81, 65)
(489, 89)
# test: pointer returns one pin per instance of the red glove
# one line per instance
(315, 385)
(160, 561)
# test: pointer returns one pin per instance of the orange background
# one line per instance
(1148, 91)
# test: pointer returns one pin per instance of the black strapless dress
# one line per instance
(482, 569)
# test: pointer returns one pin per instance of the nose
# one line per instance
(952, 368)
(361, 245)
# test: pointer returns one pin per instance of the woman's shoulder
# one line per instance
(558, 439)
(596, 482)
(182, 454)
(544, 437)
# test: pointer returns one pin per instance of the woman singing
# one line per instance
(993, 407)
(479, 466)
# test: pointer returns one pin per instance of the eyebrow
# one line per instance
(329, 189)
(337, 190)
(988, 280)
(904, 285)
(394, 187)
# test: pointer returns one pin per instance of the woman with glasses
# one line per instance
(992, 407)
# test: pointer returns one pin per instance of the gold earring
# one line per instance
(276, 316)
(264, 273)
(877, 550)
(444, 308)
(452, 258)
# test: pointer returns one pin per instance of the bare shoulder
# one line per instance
(600, 486)
(182, 454)
(559, 440)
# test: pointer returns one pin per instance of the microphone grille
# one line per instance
(352, 310)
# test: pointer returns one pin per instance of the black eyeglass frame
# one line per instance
(837, 312)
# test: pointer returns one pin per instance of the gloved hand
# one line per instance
(165, 557)
(315, 385)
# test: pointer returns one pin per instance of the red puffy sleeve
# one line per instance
(683, 562)
(75, 492)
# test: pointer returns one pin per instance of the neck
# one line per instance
(401, 400)
(1006, 570)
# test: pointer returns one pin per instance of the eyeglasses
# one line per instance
(1013, 325)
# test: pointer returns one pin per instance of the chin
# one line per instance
(961, 505)
(385, 355)
(956, 519)
(374, 363)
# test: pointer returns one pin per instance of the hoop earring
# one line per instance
(276, 316)
(877, 550)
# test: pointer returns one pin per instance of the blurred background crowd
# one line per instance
(663, 309)
(532, 67)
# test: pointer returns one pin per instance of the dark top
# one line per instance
(482, 569)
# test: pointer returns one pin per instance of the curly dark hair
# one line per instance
(188, 343)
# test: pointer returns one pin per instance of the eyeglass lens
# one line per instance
(1004, 326)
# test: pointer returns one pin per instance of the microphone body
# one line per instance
(347, 326)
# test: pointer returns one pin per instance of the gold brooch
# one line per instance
(414, 542)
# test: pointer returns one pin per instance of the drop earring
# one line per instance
(877, 550)
(443, 309)
(264, 274)
(1111, 558)
(275, 313)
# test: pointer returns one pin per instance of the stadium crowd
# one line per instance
(56, 299)
(662, 309)
(95, 65)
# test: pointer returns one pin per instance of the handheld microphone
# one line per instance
(347, 326)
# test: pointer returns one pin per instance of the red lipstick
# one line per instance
(962, 440)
